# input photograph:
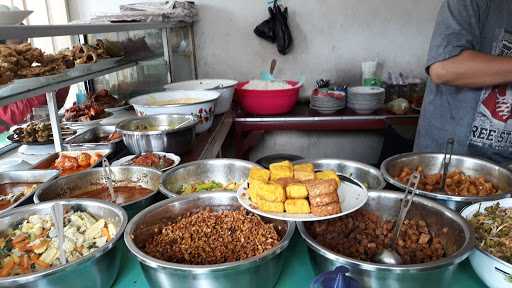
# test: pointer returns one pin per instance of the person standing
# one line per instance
(469, 94)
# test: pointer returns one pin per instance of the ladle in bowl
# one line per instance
(389, 255)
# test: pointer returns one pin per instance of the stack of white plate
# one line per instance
(365, 100)
(326, 104)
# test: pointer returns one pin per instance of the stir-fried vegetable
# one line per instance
(207, 186)
(33, 245)
(493, 229)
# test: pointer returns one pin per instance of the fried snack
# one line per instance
(280, 171)
(6, 76)
(324, 199)
(307, 167)
(296, 191)
(268, 206)
(318, 187)
(326, 210)
(271, 192)
(297, 206)
(282, 163)
(260, 174)
(328, 174)
(286, 181)
(303, 175)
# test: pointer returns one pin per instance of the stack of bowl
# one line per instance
(365, 100)
(328, 102)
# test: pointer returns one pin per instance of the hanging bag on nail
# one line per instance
(282, 31)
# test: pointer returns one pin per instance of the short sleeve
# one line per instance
(457, 29)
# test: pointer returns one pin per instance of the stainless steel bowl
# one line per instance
(459, 243)
(366, 174)
(29, 176)
(166, 139)
(100, 267)
(431, 163)
(257, 272)
(87, 140)
(220, 170)
(67, 186)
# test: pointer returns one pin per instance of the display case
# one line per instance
(155, 54)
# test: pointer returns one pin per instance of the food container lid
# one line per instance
(335, 279)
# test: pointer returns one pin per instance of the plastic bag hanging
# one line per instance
(282, 32)
(265, 30)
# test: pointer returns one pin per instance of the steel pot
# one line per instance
(431, 163)
(459, 244)
(162, 137)
(220, 170)
(100, 266)
(257, 272)
(67, 186)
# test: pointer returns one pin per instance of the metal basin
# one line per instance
(66, 187)
(257, 272)
(220, 170)
(29, 176)
(458, 241)
(164, 138)
(100, 266)
(431, 163)
(366, 174)
(88, 140)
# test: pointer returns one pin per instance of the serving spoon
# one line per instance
(107, 175)
(389, 255)
(58, 219)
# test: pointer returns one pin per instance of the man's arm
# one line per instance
(472, 69)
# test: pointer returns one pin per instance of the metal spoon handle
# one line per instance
(405, 205)
(447, 159)
(273, 65)
(107, 174)
(58, 219)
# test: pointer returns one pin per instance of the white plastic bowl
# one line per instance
(155, 103)
(490, 269)
(365, 100)
(226, 88)
(13, 17)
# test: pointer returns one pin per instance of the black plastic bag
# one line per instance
(266, 29)
(282, 31)
(275, 29)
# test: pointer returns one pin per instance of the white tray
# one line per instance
(125, 161)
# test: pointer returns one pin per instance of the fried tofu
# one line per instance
(285, 163)
(259, 174)
(271, 192)
(306, 167)
(324, 199)
(296, 191)
(297, 206)
(318, 187)
(328, 174)
(326, 210)
(280, 171)
(303, 175)
(269, 206)
(286, 181)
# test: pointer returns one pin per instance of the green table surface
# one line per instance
(297, 271)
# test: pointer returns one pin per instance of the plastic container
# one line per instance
(268, 102)
(335, 279)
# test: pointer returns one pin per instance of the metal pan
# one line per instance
(432, 162)
(47, 162)
(88, 140)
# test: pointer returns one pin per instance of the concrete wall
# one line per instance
(332, 38)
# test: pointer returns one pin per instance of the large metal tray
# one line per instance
(48, 161)
(87, 140)
(29, 176)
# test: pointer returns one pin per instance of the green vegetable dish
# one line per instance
(207, 186)
(493, 229)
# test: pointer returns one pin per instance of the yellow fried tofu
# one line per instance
(308, 167)
(297, 206)
(296, 191)
(282, 163)
(260, 174)
(303, 175)
(268, 206)
(271, 192)
(280, 171)
(328, 174)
